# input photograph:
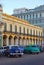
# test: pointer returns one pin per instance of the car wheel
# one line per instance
(30, 52)
(24, 52)
(4, 54)
(8, 55)
(38, 53)
(20, 55)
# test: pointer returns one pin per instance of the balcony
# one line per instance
(22, 34)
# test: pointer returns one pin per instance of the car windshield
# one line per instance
(27, 46)
(33, 46)
(20, 47)
(14, 47)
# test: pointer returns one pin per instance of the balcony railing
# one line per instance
(22, 34)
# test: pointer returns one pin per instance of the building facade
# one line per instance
(34, 16)
(14, 31)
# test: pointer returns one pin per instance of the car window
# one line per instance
(34, 46)
(27, 46)
(6, 47)
(20, 47)
(1, 47)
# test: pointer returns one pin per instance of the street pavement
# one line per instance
(26, 59)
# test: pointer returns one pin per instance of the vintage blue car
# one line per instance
(14, 50)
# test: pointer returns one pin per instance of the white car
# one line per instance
(2, 49)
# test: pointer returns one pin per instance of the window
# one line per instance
(27, 17)
(40, 14)
(36, 16)
(24, 30)
(33, 15)
(24, 17)
(36, 22)
(36, 32)
(31, 21)
(15, 28)
(30, 16)
(27, 31)
(18, 16)
(39, 33)
(5, 27)
(21, 16)
(10, 28)
(20, 29)
(31, 32)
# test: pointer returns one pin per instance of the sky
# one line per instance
(10, 5)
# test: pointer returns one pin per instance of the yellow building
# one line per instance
(14, 31)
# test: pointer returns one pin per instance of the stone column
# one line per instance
(16, 42)
(7, 41)
(40, 42)
(32, 41)
(35, 42)
(24, 42)
(12, 41)
(27, 42)
(20, 41)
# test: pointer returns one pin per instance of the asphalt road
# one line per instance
(24, 60)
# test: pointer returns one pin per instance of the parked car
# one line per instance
(14, 50)
(1, 51)
(22, 48)
(4, 49)
(43, 48)
(40, 47)
(31, 49)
